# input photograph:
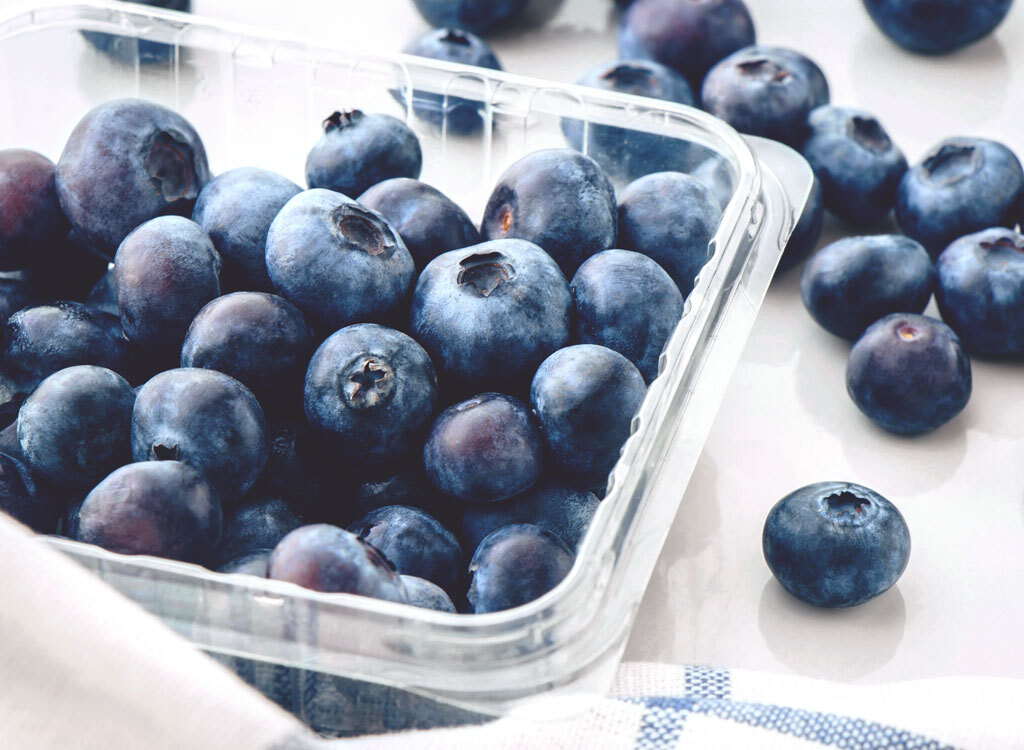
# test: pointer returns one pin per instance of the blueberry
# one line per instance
(31, 219)
(807, 231)
(853, 282)
(558, 199)
(478, 16)
(162, 508)
(428, 222)
(22, 498)
(515, 565)
(688, 36)
(339, 262)
(484, 449)
(325, 558)
(103, 295)
(626, 302)
(963, 185)
(164, 271)
(670, 217)
(427, 595)
(373, 391)
(251, 564)
(236, 209)
(131, 49)
(358, 150)
(416, 544)
(981, 291)
(835, 544)
(15, 295)
(909, 374)
(489, 314)
(937, 26)
(255, 527)
(715, 174)
(259, 339)
(75, 428)
(403, 485)
(128, 161)
(206, 419)
(820, 93)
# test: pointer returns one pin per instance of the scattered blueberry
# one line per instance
(251, 564)
(21, 498)
(515, 565)
(478, 16)
(427, 595)
(807, 231)
(256, 527)
(31, 219)
(937, 26)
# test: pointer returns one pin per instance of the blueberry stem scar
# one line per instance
(485, 272)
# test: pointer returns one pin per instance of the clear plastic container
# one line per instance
(258, 100)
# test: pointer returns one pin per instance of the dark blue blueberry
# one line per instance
(129, 49)
(251, 564)
(514, 566)
(15, 295)
(128, 161)
(819, 83)
(75, 428)
(484, 449)
(585, 397)
(416, 544)
(626, 302)
(428, 222)
(422, 593)
(478, 16)
(670, 217)
(103, 295)
(206, 419)
(325, 558)
(688, 36)
(853, 282)
(807, 231)
(981, 291)
(256, 527)
(22, 498)
(404, 486)
(162, 508)
(31, 219)
(164, 271)
(489, 314)
(963, 185)
(909, 374)
(558, 199)
(835, 544)
(937, 26)
(716, 175)
(339, 262)
(236, 209)
(373, 391)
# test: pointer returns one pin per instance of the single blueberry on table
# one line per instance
(853, 282)
(251, 564)
(256, 527)
(103, 295)
(835, 544)
(909, 374)
(23, 499)
(937, 26)
(515, 565)
(427, 595)
(807, 231)
(15, 295)
(31, 219)
(478, 16)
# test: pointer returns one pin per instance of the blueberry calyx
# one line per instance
(627, 75)
(368, 383)
(1003, 243)
(454, 36)
(953, 162)
(763, 69)
(846, 507)
(362, 229)
(485, 272)
(868, 132)
(164, 451)
(339, 120)
(908, 332)
(170, 164)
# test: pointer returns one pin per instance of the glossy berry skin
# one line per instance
(835, 544)
(585, 397)
(484, 449)
(206, 419)
(372, 390)
(909, 374)
(359, 150)
(558, 199)
(820, 93)
(236, 209)
(22, 499)
(853, 282)
(937, 27)
(478, 16)
(626, 302)
(427, 595)
(325, 558)
(126, 162)
(489, 314)
(75, 428)
(162, 508)
(981, 291)
(963, 185)
(339, 262)
(31, 219)
(671, 218)
(165, 272)
(807, 231)
(428, 222)
(416, 544)
(251, 564)
(515, 565)
(256, 527)
(15, 295)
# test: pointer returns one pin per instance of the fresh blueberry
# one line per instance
(339, 262)
(821, 94)
(489, 314)
(31, 219)
(15, 295)
(670, 217)
(255, 527)
(963, 185)
(835, 544)
(853, 282)
(427, 220)
(236, 209)
(128, 49)
(558, 199)
(373, 391)
(206, 419)
(128, 161)
(515, 565)
(103, 295)
(716, 175)
(937, 26)
(909, 374)
(22, 498)
(405, 486)
(807, 231)
(427, 595)
(478, 16)
(325, 558)
(484, 449)
(981, 291)
(162, 508)
(251, 564)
